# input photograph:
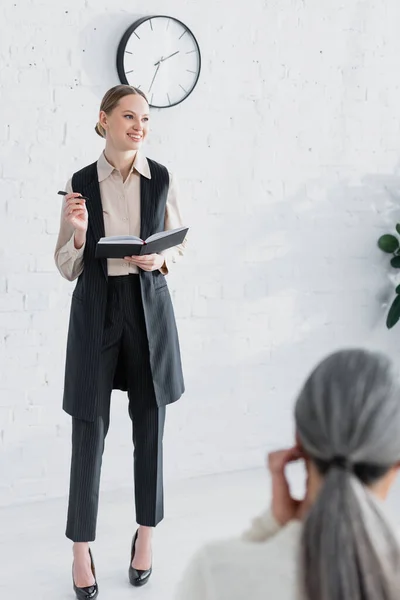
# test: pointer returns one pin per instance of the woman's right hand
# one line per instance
(75, 212)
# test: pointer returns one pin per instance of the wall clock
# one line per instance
(160, 56)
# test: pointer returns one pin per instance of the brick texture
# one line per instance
(287, 157)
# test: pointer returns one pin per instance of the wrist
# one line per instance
(281, 515)
(79, 239)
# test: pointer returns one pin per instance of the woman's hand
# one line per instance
(148, 262)
(284, 507)
(75, 212)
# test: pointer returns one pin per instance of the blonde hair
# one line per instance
(111, 99)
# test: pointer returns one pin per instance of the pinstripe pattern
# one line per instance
(125, 345)
(165, 358)
(88, 306)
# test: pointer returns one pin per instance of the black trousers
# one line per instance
(124, 344)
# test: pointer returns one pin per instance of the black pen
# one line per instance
(65, 193)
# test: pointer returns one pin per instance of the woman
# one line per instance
(336, 543)
(122, 332)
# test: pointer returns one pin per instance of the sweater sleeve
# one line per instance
(195, 583)
(262, 527)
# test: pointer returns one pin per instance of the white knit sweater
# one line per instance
(261, 565)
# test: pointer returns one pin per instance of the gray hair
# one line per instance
(350, 408)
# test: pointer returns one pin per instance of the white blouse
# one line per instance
(121, 214)
(261, 565)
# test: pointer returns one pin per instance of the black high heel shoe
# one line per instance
(90, 592)
(137, 577)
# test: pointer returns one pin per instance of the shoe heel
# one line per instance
(137, 578)
(90, 592)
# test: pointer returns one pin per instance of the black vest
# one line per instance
(89, 299)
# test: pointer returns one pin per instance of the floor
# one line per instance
(35, 557)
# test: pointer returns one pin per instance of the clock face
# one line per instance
(160, 56)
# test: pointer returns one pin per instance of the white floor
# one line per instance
(35, 557)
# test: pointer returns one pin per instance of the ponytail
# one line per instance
(348, 423)
(348, 551)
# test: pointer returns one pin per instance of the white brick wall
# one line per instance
(287, 155)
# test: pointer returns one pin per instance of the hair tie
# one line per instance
(341, 462)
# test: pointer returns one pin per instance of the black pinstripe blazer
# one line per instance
(89, 299)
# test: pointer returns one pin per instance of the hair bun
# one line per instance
(99, 129)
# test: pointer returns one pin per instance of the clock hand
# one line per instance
(177, 52)
(155, 74)
(163, 59)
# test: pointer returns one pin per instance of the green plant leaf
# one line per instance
(388, 243)
(395, 262)
(394, 313)
(398, 289)
(398, 227)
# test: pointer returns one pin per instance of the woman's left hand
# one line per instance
(284, 507)
(148, 262)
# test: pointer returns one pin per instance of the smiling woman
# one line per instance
(115, 111)
(122, 332)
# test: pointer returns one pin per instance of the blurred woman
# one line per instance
(336, 543)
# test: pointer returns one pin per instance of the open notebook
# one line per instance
(119, 246)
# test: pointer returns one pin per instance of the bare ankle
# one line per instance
(145, 532)
(80, 547)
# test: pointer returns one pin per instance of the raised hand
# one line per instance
(284, 506)
(75, 212)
